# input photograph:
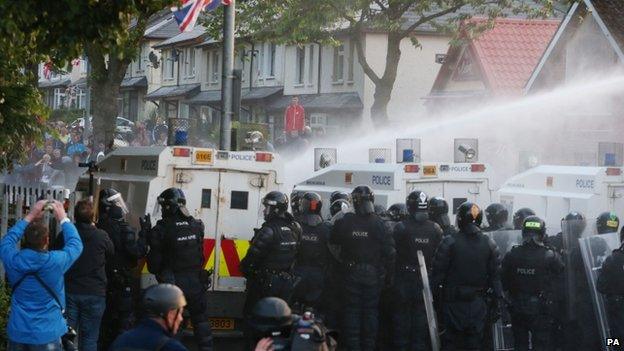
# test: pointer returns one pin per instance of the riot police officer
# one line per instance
(122, 275)
(176, 257)
(396, 213)
(497, 216)
(269, 263)
(607, 222)
(295, 198)
(313, 257)
(528, 272)
(520, 215)
(367, 260)
(162, 307)
(466, 267)
(413, 234)
(438, 212)
(275, 327)
(611, 285)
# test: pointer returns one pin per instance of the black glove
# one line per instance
(146, 223)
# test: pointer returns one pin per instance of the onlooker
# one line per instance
(163, 305)
(57, 159)
(36, 321)
(76, 145)
(294, 117)
(85, 281)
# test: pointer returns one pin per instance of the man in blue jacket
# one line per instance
(36, 320)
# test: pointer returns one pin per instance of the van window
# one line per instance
(239, 200)
(457, 202)
(206, 197)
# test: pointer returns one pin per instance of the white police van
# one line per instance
(554, 191)
(223, 188)
(456, 182)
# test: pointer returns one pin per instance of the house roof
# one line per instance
(54, 83)
(609, 14)
(612, 14)
(508, 53)
(323, 101)
(165, 29)
(173, 91)
(213, 97)
(196, 34)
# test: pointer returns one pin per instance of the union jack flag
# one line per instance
(186, 15)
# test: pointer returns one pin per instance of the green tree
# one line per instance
(325, 21)
(57, 31)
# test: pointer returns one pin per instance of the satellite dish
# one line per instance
(154, 59)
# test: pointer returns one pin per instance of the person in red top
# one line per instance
(294, 117)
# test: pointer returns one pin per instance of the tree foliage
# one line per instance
(327, 21)
(58, 31)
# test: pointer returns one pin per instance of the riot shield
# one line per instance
(594, 250)
(502, 334)
(428, 298)
(575, 283)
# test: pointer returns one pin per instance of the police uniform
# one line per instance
(123, 284)
(312, 262)
(611, 285)
(176, 257)
(466, 266)
(367, 256)
(270, 259)
(528, 273)
(410, 320)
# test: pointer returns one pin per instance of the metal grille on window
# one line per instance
(180, 130)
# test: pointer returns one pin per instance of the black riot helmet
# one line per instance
(112, 204)
(338, 195)
(380, 211)
(270, 315)
(574, 223)
(417, 201)
(469, 217)
(438, 211)
(310, 203)
(520, 215)
(275, 204)
(438, 206)
(607, 222)
(159, 299)
(171, 201)
(295, 198)
(496, 215)
(397, 212)
(534, 229)
(339, 205)
(363, 200)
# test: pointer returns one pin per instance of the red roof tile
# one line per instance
(508, 53)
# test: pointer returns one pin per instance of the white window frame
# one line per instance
(80, 98)
(268, 53)
(300, 65)
(215, 67)
(338, 64)
(168, 65)
(139, 60)
(59, 98)
(189, 63)
(351, 63)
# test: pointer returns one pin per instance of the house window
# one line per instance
(269, 60)
(139, 60)
(338, 74)
(310, 65)
(84, 62)
(215, 70)
(465, 69)
(129, 105)
(59, 98)
(351, 61)
(300, 65)
(189, 63)
(80, 98)
(168, 66)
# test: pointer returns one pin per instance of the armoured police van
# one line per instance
(456, 182)
(554, 191)
(224, 189)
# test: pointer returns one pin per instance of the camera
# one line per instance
(49, 206)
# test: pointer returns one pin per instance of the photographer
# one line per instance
(36, 275)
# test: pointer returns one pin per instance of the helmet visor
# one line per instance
(118, 201)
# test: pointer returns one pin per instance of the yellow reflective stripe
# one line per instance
(210, 263)
(242, 246)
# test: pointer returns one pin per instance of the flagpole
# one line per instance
(227, 77)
